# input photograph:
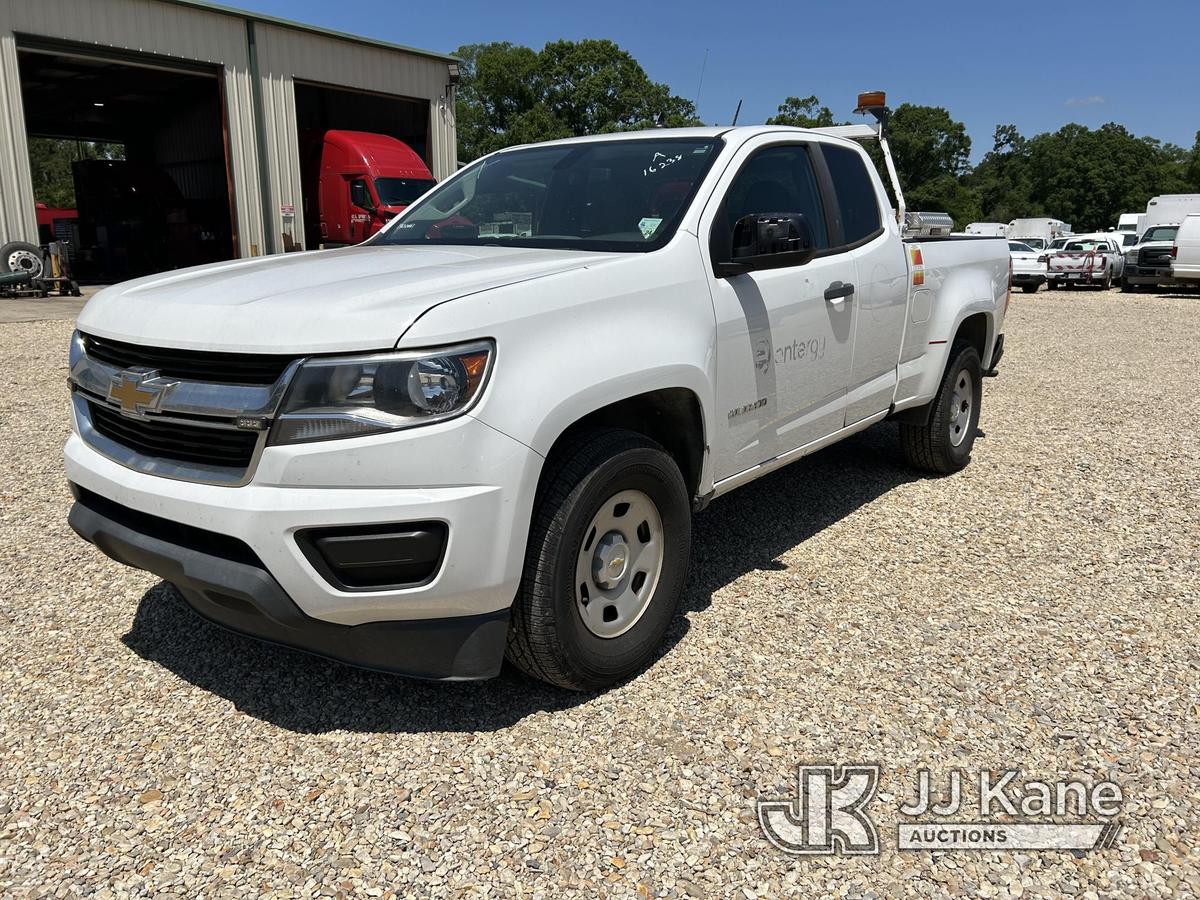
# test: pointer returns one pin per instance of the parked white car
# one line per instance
(1028, 267)
(1091, 259)
(459, 440)
(1185, 253)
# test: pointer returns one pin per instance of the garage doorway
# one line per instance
(321, 108)
(131, 157)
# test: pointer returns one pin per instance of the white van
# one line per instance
(1185, 252)
(987, 229)
(1170, 209)
(1132, 223)
(1037, 232)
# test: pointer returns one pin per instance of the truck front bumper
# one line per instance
(241, 595)
(1146, 275)
(241, 555)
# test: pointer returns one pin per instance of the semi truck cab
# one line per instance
(362, 181)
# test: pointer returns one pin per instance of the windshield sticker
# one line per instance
(649, 225)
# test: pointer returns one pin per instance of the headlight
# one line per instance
(350, 396)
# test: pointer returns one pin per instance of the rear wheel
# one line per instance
(606, 562)
(943, 444)
(1052, 285)
(1106, 284)
(1029, 288)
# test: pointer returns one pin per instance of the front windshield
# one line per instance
(401, 191)
(1161, 233)
(1015, 247)
(625, 195)
(1036, 243)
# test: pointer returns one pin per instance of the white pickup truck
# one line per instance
(485, 431)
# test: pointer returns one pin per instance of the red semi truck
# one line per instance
(355, 182)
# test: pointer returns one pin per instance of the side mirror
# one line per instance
(769, 241)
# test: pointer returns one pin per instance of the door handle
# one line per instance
(838, 290)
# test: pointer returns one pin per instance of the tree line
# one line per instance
(510, 94)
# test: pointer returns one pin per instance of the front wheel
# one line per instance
(943, 444)
(606, 562)
(1029, 288)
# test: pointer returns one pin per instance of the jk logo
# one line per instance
(828, 813)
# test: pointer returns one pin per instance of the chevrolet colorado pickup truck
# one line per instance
(485, 431)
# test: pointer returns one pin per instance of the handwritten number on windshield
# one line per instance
(659, 162)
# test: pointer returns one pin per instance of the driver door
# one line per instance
(784, 335)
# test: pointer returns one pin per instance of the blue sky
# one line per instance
(1037, 65)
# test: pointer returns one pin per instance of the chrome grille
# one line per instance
(190, 365)
(208, 424)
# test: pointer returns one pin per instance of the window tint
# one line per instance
(778, 180)
(857, 202)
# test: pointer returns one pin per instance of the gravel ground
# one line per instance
(1035, 611)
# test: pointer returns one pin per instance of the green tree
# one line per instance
(802, 112)
(1193, 165)
(927, 144)
(511, 94)
(50, 166)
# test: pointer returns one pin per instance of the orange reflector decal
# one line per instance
(917, 258)
(919, 277)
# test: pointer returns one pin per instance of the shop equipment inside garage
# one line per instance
(166, 204)
(206, 111)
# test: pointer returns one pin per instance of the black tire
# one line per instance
(929, 446)
(33, 266)
(1127, 288)
(1029, 288)
(1106, 284)
(547, 637)
(1052, 285)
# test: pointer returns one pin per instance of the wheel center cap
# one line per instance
(610, 560)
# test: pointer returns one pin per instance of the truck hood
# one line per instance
(357, 298)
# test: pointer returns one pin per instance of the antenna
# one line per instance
(736, 113)
(703, 66)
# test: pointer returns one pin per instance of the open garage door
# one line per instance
(392, 134)
(132, 159)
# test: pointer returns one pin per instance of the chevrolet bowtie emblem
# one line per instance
(139, 391)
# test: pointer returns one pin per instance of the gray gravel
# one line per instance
(1037, 610)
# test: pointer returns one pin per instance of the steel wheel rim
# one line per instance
(611, 598)
(960, 408)
(25, 261)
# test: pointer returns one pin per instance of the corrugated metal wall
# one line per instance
(17, 219)
(286, 55)
(198, 35)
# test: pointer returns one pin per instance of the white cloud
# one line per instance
(1093, 100)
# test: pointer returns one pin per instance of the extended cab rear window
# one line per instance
(856, 197)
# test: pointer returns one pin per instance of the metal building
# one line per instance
(217, 98)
